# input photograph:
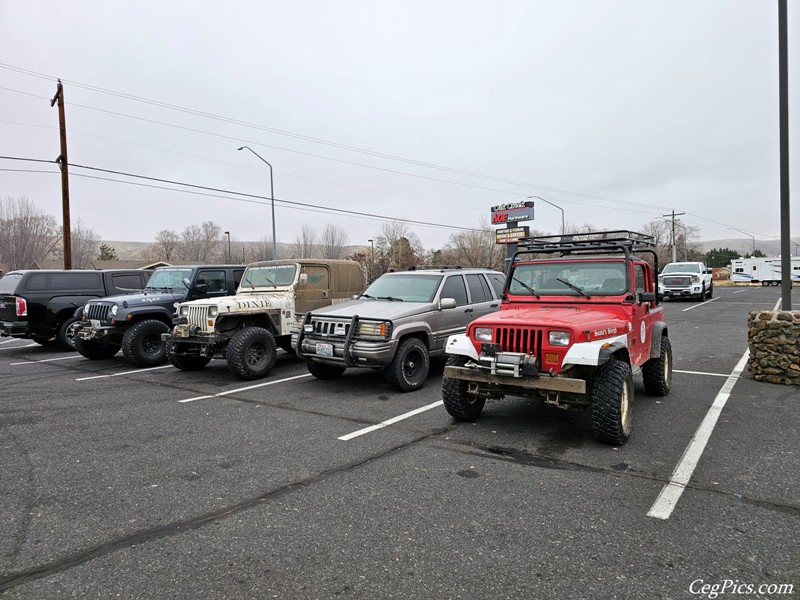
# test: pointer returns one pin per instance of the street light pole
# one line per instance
(371, 258)
(228, 233)
(271, 197)
(563, 223)
(747, 234)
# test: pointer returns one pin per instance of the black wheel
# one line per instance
(458, 403)
(251, 353)
(612, 397)
(703, 293)
(285, 343)
(657, 372)
(142, 343)
(185, 362)
(66, 333)
(711, 291)
(94, 350)
(322, 371)
(43, 341)
(409, 367)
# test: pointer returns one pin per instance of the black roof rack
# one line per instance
(432, 267)
(592, 241)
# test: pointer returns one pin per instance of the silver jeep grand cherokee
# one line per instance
(397, 323)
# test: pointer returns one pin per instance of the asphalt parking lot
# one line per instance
(156, 483)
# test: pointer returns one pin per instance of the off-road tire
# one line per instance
(657, 372)
(454, 394)
(142, 344)
(612, 399)
(65, 336)
(43, 341)
(409, 367)
(251, 353)
(185, 362)
(323, 371)
(94, 350)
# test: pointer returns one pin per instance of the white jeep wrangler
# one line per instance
(245, 328)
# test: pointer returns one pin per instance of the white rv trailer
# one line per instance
(766, 271)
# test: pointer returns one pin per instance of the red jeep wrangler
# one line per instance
(572, 330)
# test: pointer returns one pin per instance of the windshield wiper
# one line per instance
(391, 298)
(573, 286)
(367, 296)
(527, 287)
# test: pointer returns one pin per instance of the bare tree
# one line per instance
(28, 234)
(200, 242)
(84, 246)
(167, 244)
(333, 241)
(475, 248)
(398, 245)
(305, 242)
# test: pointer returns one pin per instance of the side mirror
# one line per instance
(303, 279)
(446, 303)
(646, 297)
(200, 288)
(187, 283)
(709, 271)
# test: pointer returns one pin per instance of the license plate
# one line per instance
(324, 349)
(94, 323)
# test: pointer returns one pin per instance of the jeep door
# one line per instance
(217, 282)
(452, 321)
(642, 327)
(316, 292)
(480, 295)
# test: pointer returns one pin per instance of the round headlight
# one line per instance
(184, 311)
(86, 309)
(212, 311)
(483, 334)
(113, 310)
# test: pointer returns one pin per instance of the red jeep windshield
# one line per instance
(594, 278)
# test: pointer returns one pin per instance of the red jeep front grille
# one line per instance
(519, 339)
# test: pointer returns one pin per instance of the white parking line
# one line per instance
(249, 387)
(33, 362)
(701, 373)
(740, 291)
(670, 494)
(18, 347)
(371, 428)
(123, 373)
(700, 304)
(10, 340)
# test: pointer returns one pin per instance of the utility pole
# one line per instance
(62, 163)
(673, 215)
(783, 110)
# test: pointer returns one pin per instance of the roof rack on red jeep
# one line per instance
(590, 241)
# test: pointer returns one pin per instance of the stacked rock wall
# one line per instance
(774, 341)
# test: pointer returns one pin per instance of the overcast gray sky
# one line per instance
(616, 111)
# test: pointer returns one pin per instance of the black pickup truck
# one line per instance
(40, 305)
(135, 323)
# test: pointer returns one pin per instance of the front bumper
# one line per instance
(88, 331)
(675, 292)
(545, 382)
(183, 341)
(352, 353)
(14, 328)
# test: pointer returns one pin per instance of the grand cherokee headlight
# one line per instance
(113, 311)
(183, 311)
(212, 311)
(375, 328)
(558, 338)
(483, 334)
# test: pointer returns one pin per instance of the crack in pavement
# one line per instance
(176, 528)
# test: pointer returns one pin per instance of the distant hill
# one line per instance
(745, 246)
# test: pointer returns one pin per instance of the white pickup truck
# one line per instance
(686, 280)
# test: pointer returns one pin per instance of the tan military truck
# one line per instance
(246, 328)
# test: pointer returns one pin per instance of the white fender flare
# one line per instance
(592, 353)
(460, 345)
